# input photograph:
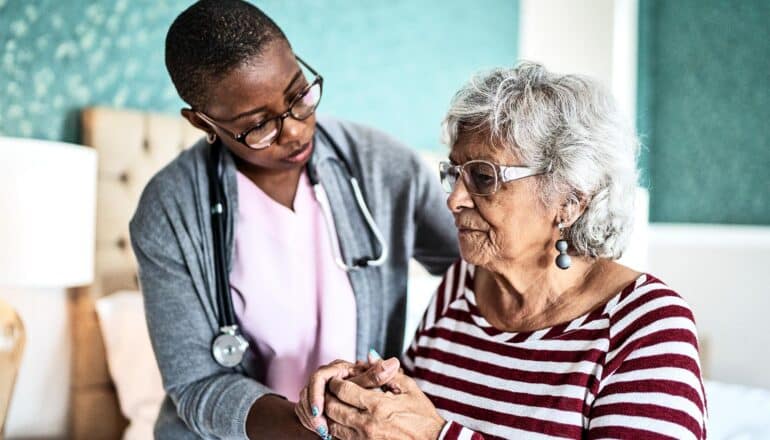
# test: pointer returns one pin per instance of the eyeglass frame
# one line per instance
(503, 174)
(241, 138)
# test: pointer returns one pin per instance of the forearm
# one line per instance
(272, 416)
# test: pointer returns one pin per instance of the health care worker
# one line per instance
(278, 243)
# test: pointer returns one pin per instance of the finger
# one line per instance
(302, 403)
(378, 374)
(302, 415)
(352, 394)
(403, 383)
(343, 414)
(313, 423)
(342, 432)
(336, 362)
(360, 367)
(317, 384)
(373, 356)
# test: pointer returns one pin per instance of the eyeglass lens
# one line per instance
(303, 107)
(479, 177)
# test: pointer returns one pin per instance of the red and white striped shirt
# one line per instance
(628, 369)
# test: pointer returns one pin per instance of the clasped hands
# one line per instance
(367, 400)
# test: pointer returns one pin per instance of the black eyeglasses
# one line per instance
(481, 178)
(266, 132)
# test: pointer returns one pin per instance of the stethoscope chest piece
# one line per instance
(229, 347)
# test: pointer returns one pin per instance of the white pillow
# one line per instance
(131, 361)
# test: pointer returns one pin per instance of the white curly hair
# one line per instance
(569, 127)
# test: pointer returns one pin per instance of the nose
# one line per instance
(459, 198)
(292, 129)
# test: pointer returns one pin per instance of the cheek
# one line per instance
(266, 158)
(475, 247)
(518, 223)
(479, 248)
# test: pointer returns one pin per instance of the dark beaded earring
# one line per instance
(563, 261)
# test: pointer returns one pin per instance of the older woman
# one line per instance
(537, 332)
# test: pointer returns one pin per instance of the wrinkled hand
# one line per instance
(374, 374)
(358, 413)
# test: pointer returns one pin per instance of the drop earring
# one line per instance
(563, 261)
(211, 138)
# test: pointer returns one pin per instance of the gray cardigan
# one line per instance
(171, 237)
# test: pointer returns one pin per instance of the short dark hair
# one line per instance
(212, 37)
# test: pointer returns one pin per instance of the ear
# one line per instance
(195, 120)
(571, 208)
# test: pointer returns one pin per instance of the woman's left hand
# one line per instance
(358, 413)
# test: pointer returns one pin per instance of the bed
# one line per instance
(132, 146)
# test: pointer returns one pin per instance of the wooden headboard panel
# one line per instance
(132, 146)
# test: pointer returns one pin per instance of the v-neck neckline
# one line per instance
(247, 186)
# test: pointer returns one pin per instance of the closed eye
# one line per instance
(295, 95)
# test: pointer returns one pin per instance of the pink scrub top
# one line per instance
(294, 304)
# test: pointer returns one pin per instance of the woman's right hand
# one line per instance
(374, 374)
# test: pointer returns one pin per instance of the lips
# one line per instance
(300, 150)
(301, 154)
(466, 228)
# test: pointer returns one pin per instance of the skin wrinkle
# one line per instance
(569, 126)
(510, 236)
(507, 238)
(495, 214)
(517, 285)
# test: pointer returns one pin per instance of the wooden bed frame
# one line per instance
(132, 146)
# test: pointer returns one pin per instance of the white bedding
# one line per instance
(737, 412)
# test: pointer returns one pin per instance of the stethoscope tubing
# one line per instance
(229, 346)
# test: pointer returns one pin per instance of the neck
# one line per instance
(279, 185)
(531, 295)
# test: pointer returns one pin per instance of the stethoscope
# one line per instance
(229, 346)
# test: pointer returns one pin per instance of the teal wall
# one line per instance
(704, 109)
(704, 99)
(391, 64)
(60, 56)
(396, 64)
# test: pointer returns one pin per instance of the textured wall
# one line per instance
(392, 64)
(59, 56)
(704, 109)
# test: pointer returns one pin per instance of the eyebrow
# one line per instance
(260, 109)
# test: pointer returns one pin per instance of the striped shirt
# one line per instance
(628, 369)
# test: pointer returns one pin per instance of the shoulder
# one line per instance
(649, 314)
(646, 301)
(368, 147)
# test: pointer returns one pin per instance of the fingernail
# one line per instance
(373, 353)
(322, 431)
(315, 411)
(390, 363)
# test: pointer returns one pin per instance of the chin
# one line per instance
(473, 252)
